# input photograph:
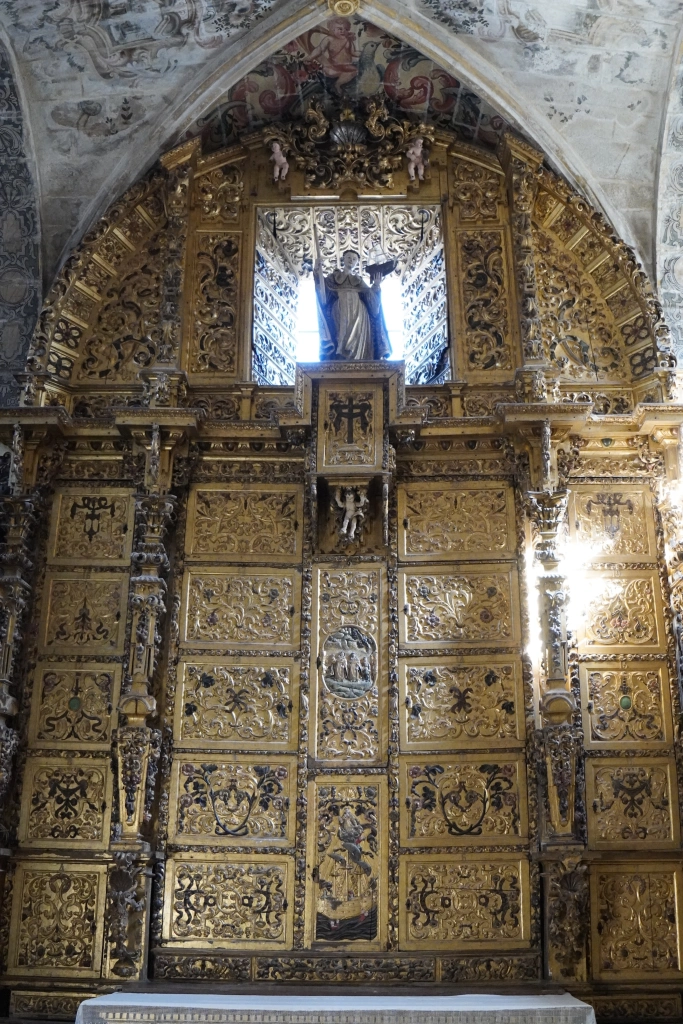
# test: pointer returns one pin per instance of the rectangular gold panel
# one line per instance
(84, 614)
(458, 703)
(238, 800)
(632, 803)
(240, 903)
(245, 523)
(259, 609)
(626, 706)
(57, 925)
(463, 902)
(622, 613)
(91, 527)
(74, 705)
(615, 523)
(452, 520)
(350, 431)
(635, 921)
(485, 334)
(66, 802)
(346, 899)
(348, 702)
(238, 703)
(465, 798)
(213, 313)
(467, 605)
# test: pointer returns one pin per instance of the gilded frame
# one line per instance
(42, 669)
(33, 764)
(593, 764)
(269, 557)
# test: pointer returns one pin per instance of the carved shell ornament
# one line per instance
(365, 150)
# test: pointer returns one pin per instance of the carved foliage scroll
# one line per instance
(216, 273)
(73, 705)
(84, 615)
(91, 527)
(626, 706)
(65, 802)
(242, 609)
(635, 922)
(488, 345)
(631, 803)
(468, 606)
(245, 522)
(623, 612)
(451, 521)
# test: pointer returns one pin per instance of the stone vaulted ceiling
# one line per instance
(107, 85)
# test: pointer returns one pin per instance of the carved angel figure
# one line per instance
(352, 506)
(416, 159)
(280, 162)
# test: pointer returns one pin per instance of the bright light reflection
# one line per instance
(307, 333)
(575, 557)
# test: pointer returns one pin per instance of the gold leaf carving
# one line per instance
(254, 609)
(487, 328)
(637, 923)
(448, 522)
(349, 428)
(213, 346)
(450, 705)
(613, 522)
(460, 607)
(219, 193)
(344, 969)
(626, 706)
(241, 903)
(65, 802)
(454, 904)
(245, 523)
(85, 616)
(477, 190)
(622, 612)
(92, 528)
(630, 803)
(73, 705)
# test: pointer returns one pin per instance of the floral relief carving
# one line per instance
(213, 346)
(637, 923)
(74, 705)
(626, 705)
(464, 704)
(244, 522)
(232, 608)
(91, 527)
(66, 801)
(219, 193)
(451, 522)
(84, 615)
(461, 800)
(487, 332)
(622, 613)
(450, 903)
(612, 522)
(452, 607)
(237, 705)
(246, 802)
(239, 902)
(58, 921)
(477, 190)
(631, 803)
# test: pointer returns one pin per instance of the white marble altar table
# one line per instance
(184, 1008)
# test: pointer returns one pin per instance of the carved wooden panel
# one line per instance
(635, 921)
(245, 903)
(91, 528)
(73, 705)
(237, 800)
(238, 703)
(622, 613)
(632, 803)
(245, 523)
(455, 520)
(213, 312)
(346, 893)
(451, 902)
(84, 614)
(348, 701)
(461, 703)
(57, 923)
(66, 802)
(258, 609)
(349, 428)
(465, 798)
(635, 1007)
(473, 604)
(613, 522)
(626, 706)
(487, 346)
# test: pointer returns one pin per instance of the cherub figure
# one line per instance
(280, 162)
(353, 509)
(416, 159)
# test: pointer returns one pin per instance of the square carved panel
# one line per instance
(238, 703)
(349, 627)
(93, 527)
(57, 926)
(635, 921)
(254, 608)
(74, 705)
(239, 800)
(84, 614)
(458, 703)
(614, 522)
(447, 521)
(463, 902)
(622, 613)
(243, 903)
(350, 431)
(471, 799)
(632, 803)
(66, 802)
(464, 606)
(346, 899)
(245, 523)
(626, 706)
